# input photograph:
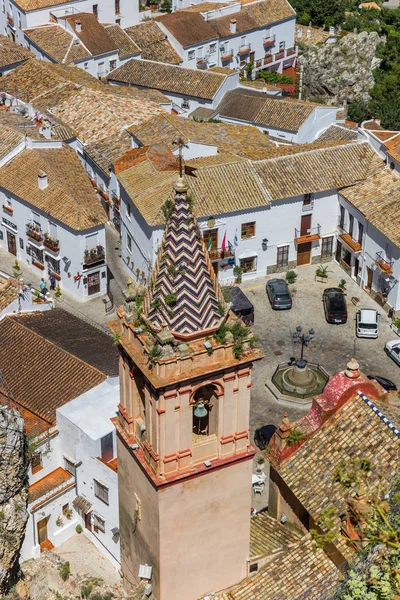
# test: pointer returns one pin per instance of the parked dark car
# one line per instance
(278, 294)
(263, 435)
(335, 305)
(385, 383)
(241, 305)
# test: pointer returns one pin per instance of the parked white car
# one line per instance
(367, 323)
(392, 349)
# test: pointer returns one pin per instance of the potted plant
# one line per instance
(59, 521)
(321, 274)
(238, 271)
(291, 276)
(355, 300)
(342, 284)
(260, 460)
(395, 325)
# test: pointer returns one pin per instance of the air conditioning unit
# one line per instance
(145, 572)
(148, 590)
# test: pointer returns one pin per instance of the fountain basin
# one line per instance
(298, 383)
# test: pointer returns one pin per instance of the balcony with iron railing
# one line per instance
(34, 232)
(310, 235)
(202, 62)
(269, 41)
(226, 54)
(51, 243)
(244, 49)
(347, 238)
(218, 254)
(384, 264)
(94, 257)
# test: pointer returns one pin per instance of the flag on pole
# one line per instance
(223, 245)
(235, 240)
(209, 244)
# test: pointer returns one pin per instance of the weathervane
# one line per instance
(181, 145)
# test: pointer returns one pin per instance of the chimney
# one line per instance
(282, 433)
(43, 180)
(78, 26)
(308, 33)
(299, 33)
(232, 25)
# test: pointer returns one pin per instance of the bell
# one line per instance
(200, 410)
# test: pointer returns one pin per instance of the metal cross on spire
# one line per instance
(181, 145)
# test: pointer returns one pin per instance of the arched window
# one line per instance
(205, 411)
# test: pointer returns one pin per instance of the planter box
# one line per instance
(395, 329)
(321, 279)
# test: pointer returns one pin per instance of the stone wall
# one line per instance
(13, 494)
(271, 269)
(318, 260)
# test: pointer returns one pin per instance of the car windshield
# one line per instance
(367, 325)
(283, 297)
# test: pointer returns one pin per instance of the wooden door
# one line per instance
(356, 265)
(12, 243)
(88, 521)
(93, 283)
(305, 224)
(42, 530)
(370, 275)
(213, 234)
(338, 253)
(303, 254)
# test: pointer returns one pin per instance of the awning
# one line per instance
(81, 503)
(248, 254)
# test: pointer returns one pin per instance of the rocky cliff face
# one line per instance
(341, 72)
(13, 493)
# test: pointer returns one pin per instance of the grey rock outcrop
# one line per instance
(341, 72)
(13, 493)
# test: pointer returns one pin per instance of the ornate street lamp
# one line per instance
(304, 340)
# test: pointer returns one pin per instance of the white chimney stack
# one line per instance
(232, 26)
(308, 33)
(299, 33)
(78, 26)
(43, 180)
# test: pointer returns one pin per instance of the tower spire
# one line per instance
(183, 293)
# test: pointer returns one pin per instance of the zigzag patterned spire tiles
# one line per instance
(182, 275)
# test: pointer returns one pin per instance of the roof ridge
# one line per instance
(313, 150)
(379, 413)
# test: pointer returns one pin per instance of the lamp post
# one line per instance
(304, 340)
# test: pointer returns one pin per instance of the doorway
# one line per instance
(12, 243)
(94, 283)
(303, 254)
(305, 225)
(42, 530)
(356, 267)
(88, 521)
(370, 275)
(338, 253)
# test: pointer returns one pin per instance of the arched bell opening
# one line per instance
(205, 412)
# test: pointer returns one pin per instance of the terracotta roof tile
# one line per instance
(268, 536)
(153, 43)
(92, 34)
(54, 41)
(9, 139)
(8, 293)
(33, 425)
(69, 196)
(125, 44)
(378, 199)
(29, 127)
(322, 169)
(339, 133)
(45, 485)
(188, 28)
(12, 53)
(40, 375)
(79, 338)
(169, 78)
(393, 146)
(107, 151)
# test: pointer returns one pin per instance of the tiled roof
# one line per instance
(169, 78)
(242, 140)
(57, 43)
(224, 183)
(92, 34)
(322, 169)
(33, 425)
(310, 35)
(378, 199)
(93, 109)
(29, 5)
(354, 431)
(8, 293)
(203, 7)
(338, 133)
(69, 196)
(24, 126)
(268, 536)
(153, 43)
(40, 375)
(189, 27)
(9, 139)
(106, 152)
(393, 147)
(79, 338)
(11, 53)
(42, 487)
(265, 110)
(301, 569)
(125, 44)
(196, 306)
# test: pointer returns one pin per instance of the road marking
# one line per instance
(254, 287)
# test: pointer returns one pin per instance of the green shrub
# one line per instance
(78, 528)
(295, 436)
(64, 570)
(291, 276)
(86, 590)
(170, 299)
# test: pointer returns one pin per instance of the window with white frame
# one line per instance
(200, 52)
(129, 242)
(36, 254)
(248, 264)
(128, 210)
(69, 466)
(191, 54)
(113, 64)
(281, 45)
(53, 264)
(3, 6)
(213, 48)
(19, 20)
(100, 491)
(86, 66)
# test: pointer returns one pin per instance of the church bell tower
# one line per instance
(184, 454)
